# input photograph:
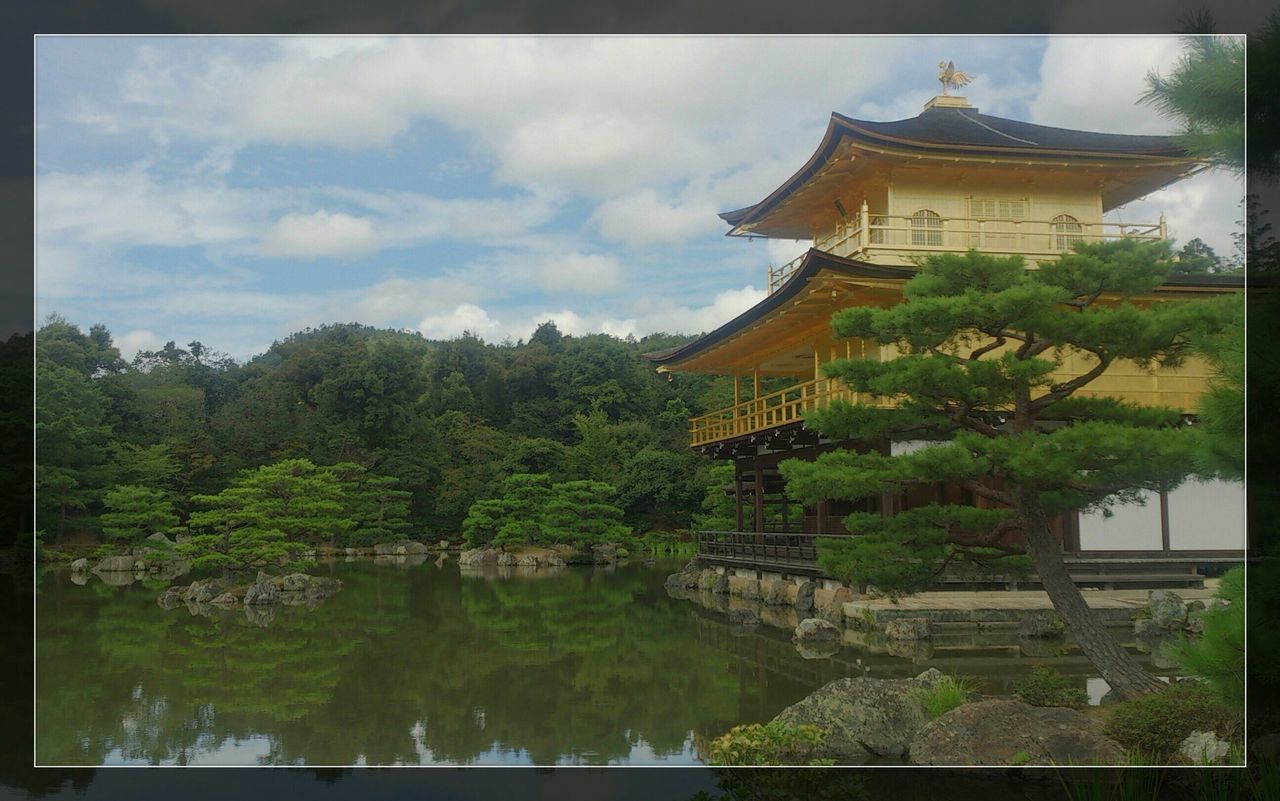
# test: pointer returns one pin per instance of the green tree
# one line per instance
(981, 338)
(377, 508)
(483, 520)
(266, 515)
(1205, 92)
(1218, 656)
(135, 512)
(1197, 258)
(581, 513)
(524, 497)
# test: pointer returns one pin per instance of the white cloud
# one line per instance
(1205, 206)
(1093, 83)
(576, 272)
(320, 235)
(640, 219)
(466, 317)
(129, 344)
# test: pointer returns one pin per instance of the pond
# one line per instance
(422, 665)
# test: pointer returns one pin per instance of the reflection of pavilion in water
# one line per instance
(996, 657)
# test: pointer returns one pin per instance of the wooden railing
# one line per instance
(762, 548)
(867, 233)
(772, 410)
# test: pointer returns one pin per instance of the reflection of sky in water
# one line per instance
(253, 750)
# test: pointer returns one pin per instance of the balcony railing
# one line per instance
(867, 235)
(795, 549)
(773, 410)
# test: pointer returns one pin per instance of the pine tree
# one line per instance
(378, 510)
(981, 339)
(135, 512)
(581, 513)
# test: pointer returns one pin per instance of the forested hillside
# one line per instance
(444, 421)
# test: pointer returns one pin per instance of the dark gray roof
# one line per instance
(815, 260)
(965, 127)
(959, 131)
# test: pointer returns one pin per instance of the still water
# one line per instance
(420, 665)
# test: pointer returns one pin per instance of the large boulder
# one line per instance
(1007, 732)
(908, 628)
(813, 629)
(262, 592)
(527, 560)
(829, 604)
(555, 560)
(1167, 609)
(506, 559)
(171, 598)
(384, 549)
(202, 591)
(80, 565)
(605, 553)
(475, 557)
(804, 597)
(115, 564)
(863, 715)
(686, 578)
(745, 587)
(707, 579)
(779, 592)
(224, 601)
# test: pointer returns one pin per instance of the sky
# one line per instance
(235, 190)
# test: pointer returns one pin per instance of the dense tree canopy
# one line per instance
(419, 430)
(983, 342)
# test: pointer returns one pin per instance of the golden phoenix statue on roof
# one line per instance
(951, 77)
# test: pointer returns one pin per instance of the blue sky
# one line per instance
(237, 189)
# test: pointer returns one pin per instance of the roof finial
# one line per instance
(951, 77)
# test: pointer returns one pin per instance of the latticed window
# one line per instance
(1067, 232)
(926, 228)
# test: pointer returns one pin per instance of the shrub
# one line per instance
(1047, 687)
(945, 694)
(770, 744)
(1156, 724)
(1217, 656)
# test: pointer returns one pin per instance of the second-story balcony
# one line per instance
(894, 239)
(773, 410)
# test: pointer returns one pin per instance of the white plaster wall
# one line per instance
(1130, 527)
(1207, 515)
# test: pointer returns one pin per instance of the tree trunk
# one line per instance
(1120, 670)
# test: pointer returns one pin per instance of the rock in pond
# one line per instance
(908, 628)
(225, 601)
(261, 592)
(555, 560)
(202, 591)
(476, 557)
(815, 629)
(686, 579)
(863, 715)
(506, 559)
(742, 616)
(171, 598)
(80, 565)
(1007, 732)
(115, 564)
(527, 560)
(1167, 609)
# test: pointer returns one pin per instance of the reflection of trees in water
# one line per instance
(585, 666)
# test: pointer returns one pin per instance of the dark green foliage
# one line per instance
(955, 390)
(768, 744)
(1218, 655)
(135, 512)
(1155, 725)
(1205, 92)
(444, 422)
(377, 509)
(581, 513)
(1045, 686)
(532, 511)
(265, 517)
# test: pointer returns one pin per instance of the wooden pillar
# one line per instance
(1164, 522)
(737, 497)
(737, 401)
(755, 385)
(759, 495)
